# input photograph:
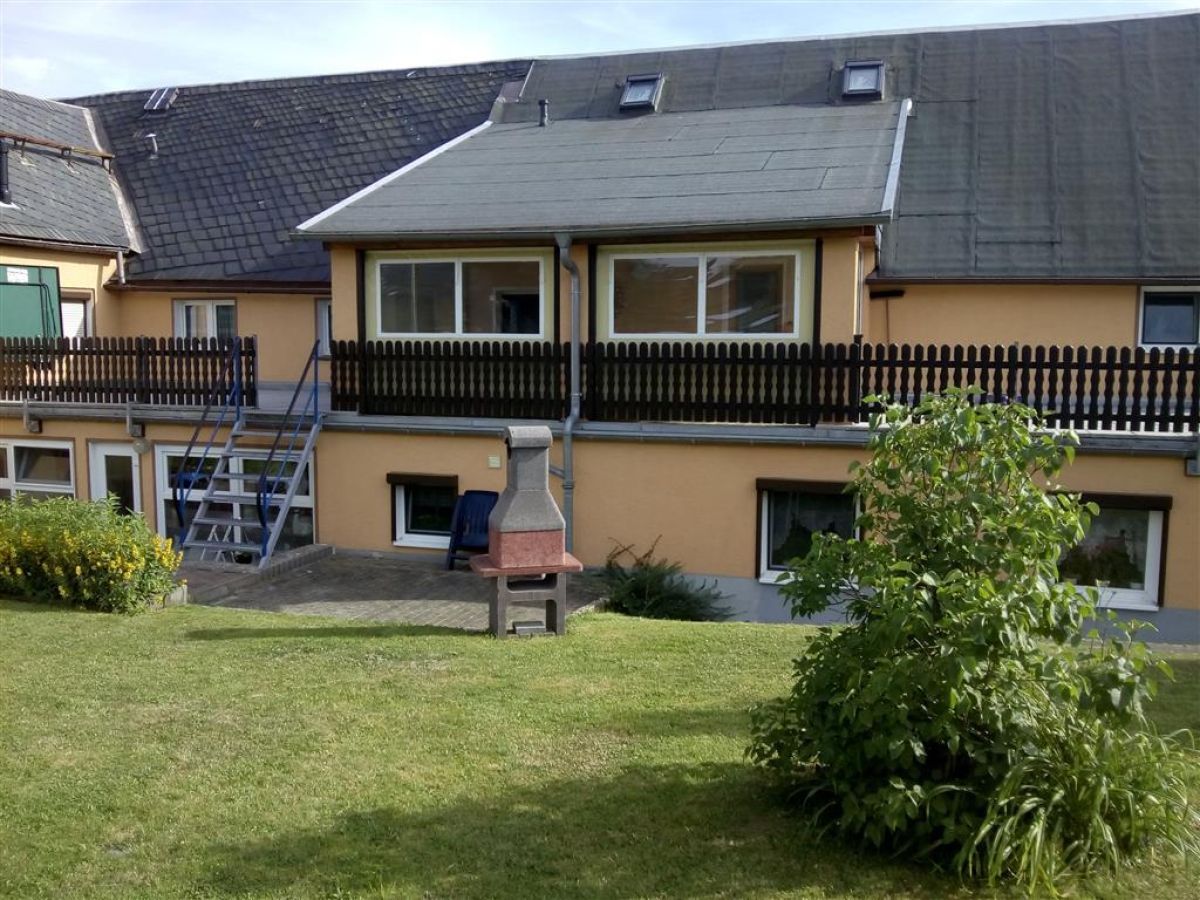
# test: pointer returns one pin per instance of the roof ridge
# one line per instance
(892, 32)
(38, 99)
(422, 72)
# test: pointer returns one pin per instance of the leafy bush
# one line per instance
(657, 589)
(962, 715)
(86, 554)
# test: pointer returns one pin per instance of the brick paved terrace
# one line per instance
(371, 589)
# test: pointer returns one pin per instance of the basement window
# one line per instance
(422, 507)
(1123, 553)
(863, 78)
(37, 470)
(642, 91)
(791, 512)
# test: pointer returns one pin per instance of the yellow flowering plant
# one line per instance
(79, 553)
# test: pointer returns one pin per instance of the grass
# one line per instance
(198, 752)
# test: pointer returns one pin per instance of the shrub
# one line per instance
(86, 554)
(658, 589)
(961, 714)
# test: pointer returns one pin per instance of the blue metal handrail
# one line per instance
(311, 403)
(184, 481)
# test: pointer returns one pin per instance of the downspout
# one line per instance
(576, 383)
(120, 267)
(5, 188)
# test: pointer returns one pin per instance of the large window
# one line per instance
(205, 319)
(36, 469)
(422, 507)
(1170, 317)
(298, 529)
(791, 513)
(478, 297)
(720, 294)
(1122, 553)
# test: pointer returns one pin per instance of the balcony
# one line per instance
(768, 383)
(142, 370)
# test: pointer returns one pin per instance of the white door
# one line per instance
(116, 469)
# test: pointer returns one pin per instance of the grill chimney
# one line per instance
(5, 190)
(543, 113)
(152, 143)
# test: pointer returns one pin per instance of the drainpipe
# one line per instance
(5, 190)
(120, 267)
(564, 257)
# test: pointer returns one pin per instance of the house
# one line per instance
(695, 264)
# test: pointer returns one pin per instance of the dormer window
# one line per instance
(863, 78)
(642, 91)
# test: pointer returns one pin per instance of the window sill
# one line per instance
(423, 541)
(771, 577)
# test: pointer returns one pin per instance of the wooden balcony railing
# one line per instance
(757, 382)
(145, 370)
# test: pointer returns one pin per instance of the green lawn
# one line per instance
(198, 752)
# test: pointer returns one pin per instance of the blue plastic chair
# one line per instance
(469, 524)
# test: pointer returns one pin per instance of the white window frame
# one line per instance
(1147, 599)
(766, 573)
(89, 309)
(163, 489)
(458, 332)
(10, 483)
(210, 307)
(1141, 322)
(701, 333)
(97, 451)
(404, 538)
(324, 326)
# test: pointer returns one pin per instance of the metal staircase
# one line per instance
(250, 481)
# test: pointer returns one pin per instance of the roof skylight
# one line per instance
(863, 78)
(161, 99)
(642, 91)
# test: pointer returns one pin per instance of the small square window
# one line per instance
(1171, 318)
(422, 508)
(863, 78)
(1121, 556)
(641, 92)
(790, 518)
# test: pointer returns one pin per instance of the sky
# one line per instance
(67, 48)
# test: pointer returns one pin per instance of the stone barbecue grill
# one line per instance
(526, 535)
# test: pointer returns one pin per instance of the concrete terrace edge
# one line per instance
(1141, 444)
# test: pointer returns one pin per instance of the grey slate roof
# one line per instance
(240, 164)
(56, 199)
(712, 169)
(1067, 151)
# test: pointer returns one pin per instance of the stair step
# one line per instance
(230, 497)
(229, 546)
(249, 476)
(246, 452)
(230, 521)
(255, 432)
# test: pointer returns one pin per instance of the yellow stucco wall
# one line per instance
(83, 433)
(1065, 314)
(284, 324)
(82, 272)
(701, 499)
